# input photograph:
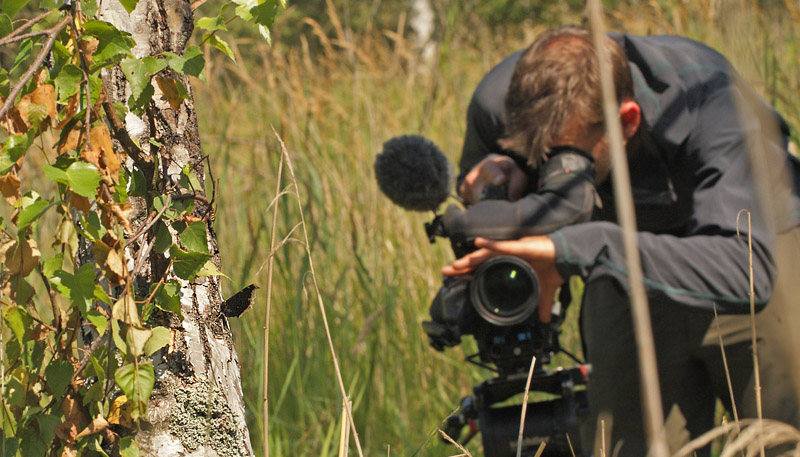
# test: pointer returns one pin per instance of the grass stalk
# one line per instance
(652, 407)
(753, 332)
(525, 409)
(342, 389)
(270, 263)
(727, 370)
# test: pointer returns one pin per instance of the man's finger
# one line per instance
(467, 263)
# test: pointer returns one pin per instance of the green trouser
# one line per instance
(692, 375)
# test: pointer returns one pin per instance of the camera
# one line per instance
(496, 305)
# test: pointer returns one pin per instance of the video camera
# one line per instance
(497, 303)
(497, 306)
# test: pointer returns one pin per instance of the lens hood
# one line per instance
(504, 291)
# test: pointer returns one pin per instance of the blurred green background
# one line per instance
(342, 77)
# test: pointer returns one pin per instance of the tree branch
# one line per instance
(15, 35)
(51, 38)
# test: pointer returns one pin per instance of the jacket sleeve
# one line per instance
(566, 195)
(708, 264)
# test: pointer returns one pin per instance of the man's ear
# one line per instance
(630, 114)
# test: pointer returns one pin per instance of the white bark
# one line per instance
(197, 407)
(422, 23)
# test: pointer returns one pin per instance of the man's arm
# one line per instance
(709, 264)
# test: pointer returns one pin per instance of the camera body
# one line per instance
(496, 305)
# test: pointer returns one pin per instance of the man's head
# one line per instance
(555, 98)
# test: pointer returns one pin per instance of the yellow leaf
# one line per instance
(101, 154)
(9, 187)
(45, 96)
(20, 260)
(120, 412)
(72, 140)
(123, 212)
(96, 426)
(125, 310)
(80, 203)
(171, 91)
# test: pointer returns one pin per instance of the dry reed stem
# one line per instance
(727, 371)
(770, 433)
(465, 452)
(525, 408)
(754, 341)
(270, 262)
(344, 435)
(652, 407)
(339, 380)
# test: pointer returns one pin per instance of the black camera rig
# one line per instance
(497, 306)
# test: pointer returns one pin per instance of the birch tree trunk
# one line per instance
(197, 406)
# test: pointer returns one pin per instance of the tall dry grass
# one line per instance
(334, 98)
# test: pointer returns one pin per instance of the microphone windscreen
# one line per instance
(413, 172)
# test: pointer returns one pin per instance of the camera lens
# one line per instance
(505, 290)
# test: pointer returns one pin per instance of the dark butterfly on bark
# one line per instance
(239, 302)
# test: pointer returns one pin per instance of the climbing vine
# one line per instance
(77, 331)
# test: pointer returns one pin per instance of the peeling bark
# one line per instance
(197, 406)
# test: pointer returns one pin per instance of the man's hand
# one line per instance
(538, 251)
(493, 170)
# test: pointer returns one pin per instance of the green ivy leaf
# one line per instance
(47, 424)
(97, 319)
(163, 238)
(137, 104)
(139, 71)
(55, 174)
(12, 7)
(128, 447)
(209, 269)
(161, 336)
(11, 444)
(17, 320)
(14, 147)
(189, 179)
(187, 264)
(83, 178)
(88, 7)
(78, 287)
(195, 237)
(121, 189)
(31, 443)
(30, 213)
(113, 44)
(167, 297)
(68, 81)
(191, 63)
(220, 44)
(213, 23)
(100, 294)
(58, 374)
(264, 31)
(5, 24)
(129, 5)
(136, 338)
(33, 355)
(21, 289)
(137, 384)
(49, 266)
(138, 184)
(264, 13)
(94, 445)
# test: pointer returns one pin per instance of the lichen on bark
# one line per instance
(202, 417)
